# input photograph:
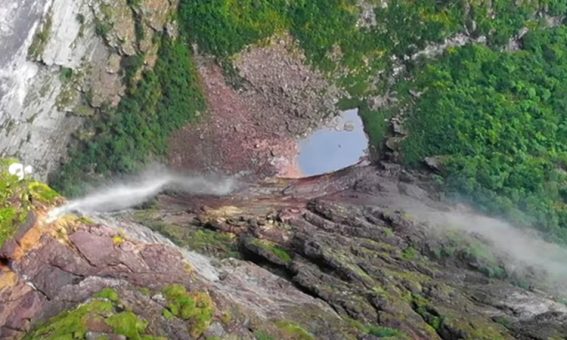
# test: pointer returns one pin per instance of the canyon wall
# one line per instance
(62, 64)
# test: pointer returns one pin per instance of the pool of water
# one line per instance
(340, 144)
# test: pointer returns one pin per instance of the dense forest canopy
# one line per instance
(501, 121)
(497, 117)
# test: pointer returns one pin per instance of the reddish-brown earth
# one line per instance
(253, 130)
(229, 139)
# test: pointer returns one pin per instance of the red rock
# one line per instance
(96, 249)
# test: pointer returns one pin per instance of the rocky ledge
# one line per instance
(102, 278)
(347, 239)
(333, 256)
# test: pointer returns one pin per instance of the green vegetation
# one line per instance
(376, 124)
(263, 335)
(109, 294)
(205, 241)
(17, 198)
(103, 309)
(128, 324)
(499, 120)
(224, 27)
(281, 253)
(102, 28)
(72, 324)
(196, 308)
(65, 74)
(429, 314)
(383, 332)
(103, 22)
(409, 253)
(294, 331)
(40, 39)
(162, 101)
(376, 330)
(213, 242)
(473, 253)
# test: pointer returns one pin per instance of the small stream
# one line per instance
(338, 145)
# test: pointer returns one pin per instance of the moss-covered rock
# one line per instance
(128, 324)
(291, 330)
(205, 241)
(18, 197)
(268, 250)
(101, 314)
(109, 294)
(196, 308)
(73, 324)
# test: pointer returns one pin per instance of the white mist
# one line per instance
(136, 191)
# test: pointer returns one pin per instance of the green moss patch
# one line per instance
(42, 192)
(294, 331)
(72, 324)
(409, 253)
(429, 315)
(103, 311)
(263, 335)
(128, 324)
(109, 294)
(278, 251)
(383, 332)
(40, 39)
(196, 308)
(204, 241)
(18, 198)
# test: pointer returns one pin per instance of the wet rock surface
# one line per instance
(60, 266)
(334, 256)
(346, 239)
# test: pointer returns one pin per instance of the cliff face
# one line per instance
(328, 257)
(62, 63)
(109, 277)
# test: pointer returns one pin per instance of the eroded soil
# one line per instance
(253, 130)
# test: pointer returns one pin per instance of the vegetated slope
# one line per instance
(369, 48)
(498, 115)
(339, 261)
(354, 43)
(163, 100)
(500, 121)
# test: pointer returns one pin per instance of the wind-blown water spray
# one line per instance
(139, 190)
(524, 252)
(521, 250)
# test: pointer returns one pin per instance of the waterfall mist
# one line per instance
(140, 189)
(522, 250)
